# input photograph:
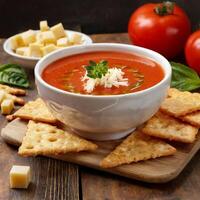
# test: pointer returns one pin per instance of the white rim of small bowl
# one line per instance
(167, 70)
(87, 40)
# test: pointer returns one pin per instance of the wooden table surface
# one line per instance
(57, 180)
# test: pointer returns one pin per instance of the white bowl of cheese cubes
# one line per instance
(28, 47)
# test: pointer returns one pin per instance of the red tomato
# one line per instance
(162, 27)
(192, 51)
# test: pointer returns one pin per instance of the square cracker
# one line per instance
(173, 92)
(193, 118)
(35, 110)
(11, 90)
(166, 127)
(180, 103)
(45, 139)
(137, 147)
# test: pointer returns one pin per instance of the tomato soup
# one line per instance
(67, 73)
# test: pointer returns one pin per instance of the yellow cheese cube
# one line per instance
(7, 106)
(23, 51)
(35, 50)
(39, 37)
(48, 37)
(20, 176)
(44, 26)
(2, 95)
(47, 49)
(76, 38)
(62, 42)
(16, 41)
(58, 31)
(28, 37)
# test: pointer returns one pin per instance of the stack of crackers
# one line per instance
(178, 119)
(43, 137)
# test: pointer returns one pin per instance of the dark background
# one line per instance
(93, 16)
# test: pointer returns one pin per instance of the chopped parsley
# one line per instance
(97, 70)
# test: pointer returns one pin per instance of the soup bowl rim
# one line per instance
(166, 68)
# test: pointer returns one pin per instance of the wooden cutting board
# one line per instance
(158, 170)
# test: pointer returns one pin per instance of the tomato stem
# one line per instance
(166, 8)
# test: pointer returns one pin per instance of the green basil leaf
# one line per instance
(186, 85)
(14, 75)
(184, 71)
(184, 78)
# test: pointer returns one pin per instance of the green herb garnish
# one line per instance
(14, 75)
(184, 78)
(97, 70)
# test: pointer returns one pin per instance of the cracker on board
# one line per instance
(180, 103)
(192, 118)
(166, 127)
(45, 139)
(34, 110)
(137, 147)
(173, 92)
(11, 90)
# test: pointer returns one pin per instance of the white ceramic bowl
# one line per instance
(103, 117)
(30, 62)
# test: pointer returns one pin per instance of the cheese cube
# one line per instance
(35, 50)
(20, 176)
(47, 49)
(44, 26)
(48, 37)
(2, 95)
(16, 41)
(28, 37)
(58, 31)
(7, 106)
(23, 51)
(39, 37)
(76, 38)
(62, 42)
